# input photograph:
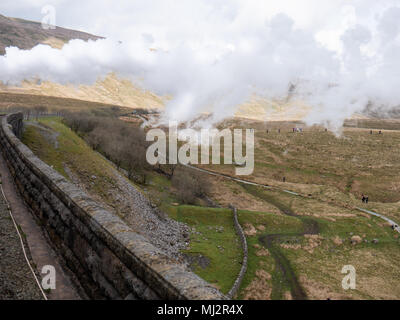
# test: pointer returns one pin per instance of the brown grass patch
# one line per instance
(317, 291)
(288, 296)
(314, 240)
(249, 230)
(259, 288)
(336, 240)
(262, 253)
(356, 240)
(291, 246)
(226, 192)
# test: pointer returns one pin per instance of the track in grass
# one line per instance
(284, 275)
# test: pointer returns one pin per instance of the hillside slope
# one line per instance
(26, 34)
(113, 89)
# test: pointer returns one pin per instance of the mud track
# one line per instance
(284, 275)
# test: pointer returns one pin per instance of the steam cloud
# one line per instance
(224, 67)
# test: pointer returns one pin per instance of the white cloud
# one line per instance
(219, 52)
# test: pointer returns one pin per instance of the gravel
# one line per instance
(16, 279)
(148, 220)
(143, 217)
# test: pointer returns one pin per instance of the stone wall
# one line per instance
(108, 258)
(16, 123)
(243, 242)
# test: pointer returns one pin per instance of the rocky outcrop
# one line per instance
(109, 259)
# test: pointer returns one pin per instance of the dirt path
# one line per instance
(284, 275)
(394, 225)
(285, 270)
(41, 252)
(250, 183)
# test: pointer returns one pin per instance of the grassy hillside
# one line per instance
(10, 102)
(61, 148)
(297, 245)
(214, 249)
(313, 248)
(26, 34)
(316, 161)
(112, 90)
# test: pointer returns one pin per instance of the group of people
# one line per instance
(294, 130)
(326, 130)
(364, 198)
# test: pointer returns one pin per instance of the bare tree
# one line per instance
(122, 143)
(39, 110)
(190, 185)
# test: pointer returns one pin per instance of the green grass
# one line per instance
(43, 149)
(313, 159)
(323, 264)
(354, 162)
(72, 152)
(373, 262)
(272, 222)
(273, 225)
(159, 190)
(224, 265)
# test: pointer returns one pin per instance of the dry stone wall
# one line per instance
(107, 257)
(243, 242)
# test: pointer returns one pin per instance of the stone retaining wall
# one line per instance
(108, 258)
(243, 242)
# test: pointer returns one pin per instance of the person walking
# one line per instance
(363, 198)
(366, 199)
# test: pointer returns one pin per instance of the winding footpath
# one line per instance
(394, 225)
(285, 277)
(246, 182)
